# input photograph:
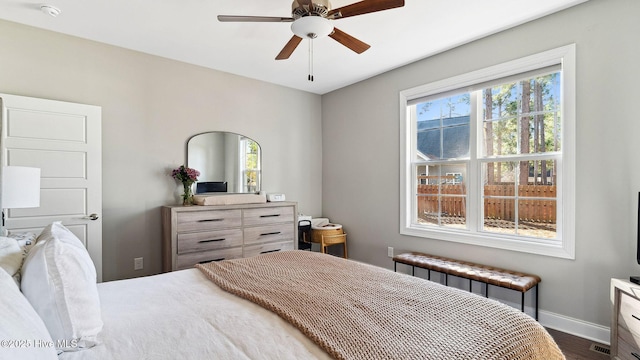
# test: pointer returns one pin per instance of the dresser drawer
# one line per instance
(269, 233)
(253, 250)
(629, 316)
(626, 350)
(195, 234)
(269, 215)
(208, 220)
(630, 338)
(209, 240)
(187, 261)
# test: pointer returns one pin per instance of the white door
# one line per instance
(64, 141)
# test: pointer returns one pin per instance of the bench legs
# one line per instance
(535, 288)
(486, 287)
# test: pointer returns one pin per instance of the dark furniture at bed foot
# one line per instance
(304, 235)
(488, 275)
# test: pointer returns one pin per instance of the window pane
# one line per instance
(537, 218)
(429, 144)
(499, 197)
(441, 195)
(535, 202)
(456, 139)
(445, 108)
(499, 101)
(539, 172)
(499, 137)
(522, 117)
(543, 133)
(499, 215)
(503, 174)
(443, 128)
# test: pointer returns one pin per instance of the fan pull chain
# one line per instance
(310, 77)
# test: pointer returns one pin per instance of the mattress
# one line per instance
(351, 310)
(184, 315)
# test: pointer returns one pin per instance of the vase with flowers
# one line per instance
(187, 176)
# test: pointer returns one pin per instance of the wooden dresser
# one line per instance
(625, 322)
(200, 234)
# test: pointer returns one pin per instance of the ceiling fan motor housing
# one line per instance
(317, 8)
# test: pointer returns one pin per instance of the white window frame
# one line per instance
(564, 247)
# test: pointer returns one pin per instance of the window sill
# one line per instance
(553, 248)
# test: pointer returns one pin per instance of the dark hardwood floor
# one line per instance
(577, 348)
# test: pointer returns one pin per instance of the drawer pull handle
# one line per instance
(635, 355)
(208, 241)
(210, 220)
(635, 317)
(276, 250)
(271, 233)
(208, 261)
(272, 215)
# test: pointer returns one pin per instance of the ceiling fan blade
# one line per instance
(234, 18)
(289, 48)
(364, 7)
(349, 41)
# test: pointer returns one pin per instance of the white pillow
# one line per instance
(22, 332)
(11, 256)
(59, 279)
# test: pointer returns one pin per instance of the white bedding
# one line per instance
(183, 315)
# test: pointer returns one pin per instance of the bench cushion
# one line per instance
(488, 274)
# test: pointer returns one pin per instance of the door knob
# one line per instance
(93, 216)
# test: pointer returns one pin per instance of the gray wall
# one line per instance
(150, 107)
(360, 127)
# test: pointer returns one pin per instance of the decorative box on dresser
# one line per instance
(625, 322)
(200, 234)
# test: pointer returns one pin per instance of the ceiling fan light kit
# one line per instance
(312, 27)
(312, 19)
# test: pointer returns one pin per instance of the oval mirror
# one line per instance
(227, 162)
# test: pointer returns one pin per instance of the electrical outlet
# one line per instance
(138, 263)
(390, 251)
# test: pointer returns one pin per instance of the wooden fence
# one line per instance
(495, 207)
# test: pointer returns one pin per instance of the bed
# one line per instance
(286, 305)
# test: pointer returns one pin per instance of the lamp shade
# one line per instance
(20, 187)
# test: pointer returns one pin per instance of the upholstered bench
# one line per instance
(488, 275)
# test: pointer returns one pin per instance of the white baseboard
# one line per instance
(575, 327)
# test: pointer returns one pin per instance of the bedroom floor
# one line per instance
(577, 348)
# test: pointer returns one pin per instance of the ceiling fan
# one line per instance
(312, 19)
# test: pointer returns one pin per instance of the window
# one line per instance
(249, 165)
(488, 157)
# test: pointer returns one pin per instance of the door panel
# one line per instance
(52, 164)
(36, 124)
(63, 140)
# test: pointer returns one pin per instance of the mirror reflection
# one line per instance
(227, 162)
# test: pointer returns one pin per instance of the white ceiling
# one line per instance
(187, 30)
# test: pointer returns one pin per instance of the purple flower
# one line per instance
(185, 175)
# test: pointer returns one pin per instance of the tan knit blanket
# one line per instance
(358, 311)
